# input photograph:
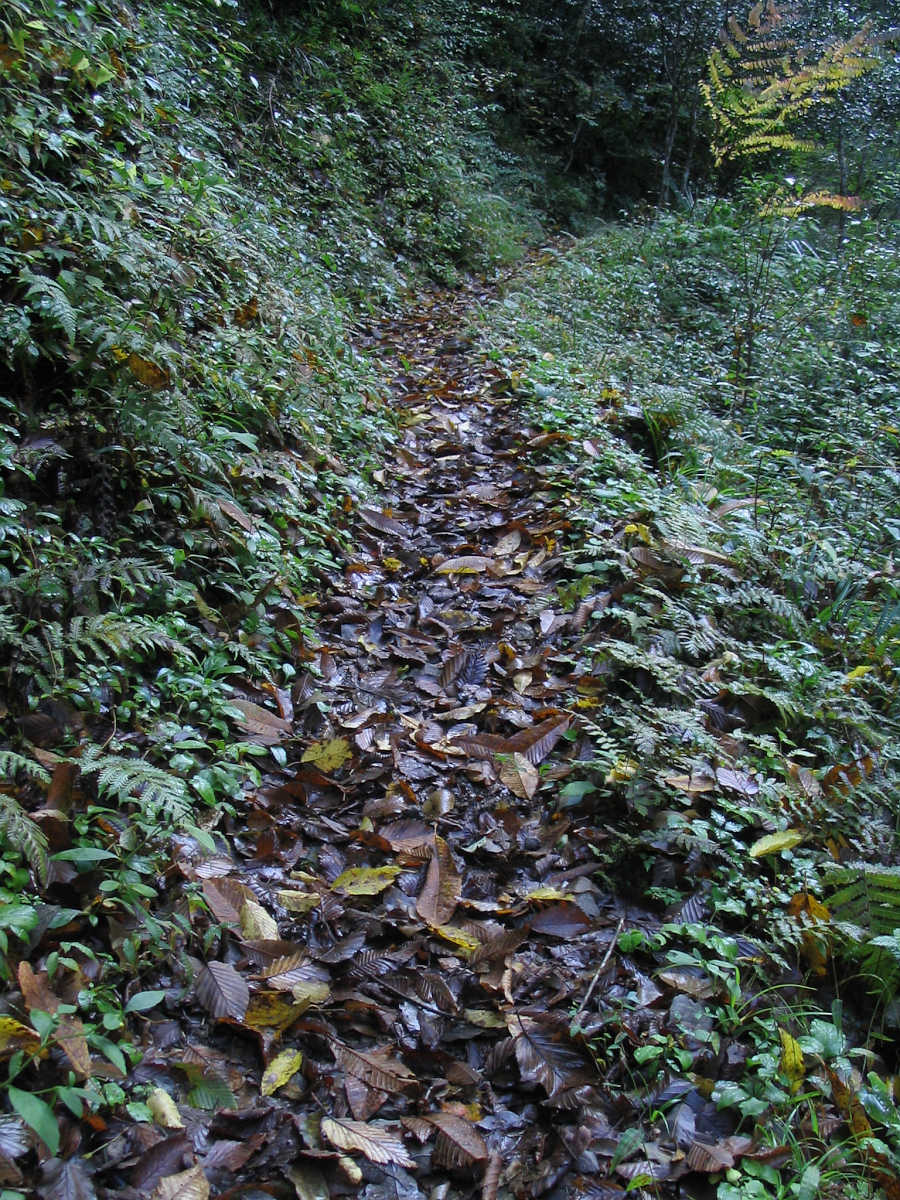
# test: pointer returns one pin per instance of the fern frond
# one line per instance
(866, 895)
(111, 632)
(14, 765)
(53, 302)
(24, 836)
(163, 797)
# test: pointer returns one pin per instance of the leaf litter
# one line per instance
(411, 965)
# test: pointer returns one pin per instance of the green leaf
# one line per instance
(141, 1001)
(37, 1115)
(84, 856)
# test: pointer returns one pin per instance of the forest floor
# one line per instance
(417, 983)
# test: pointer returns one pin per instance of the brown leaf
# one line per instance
(443, 887)
(237, 514)
(519, 776)
(67, 1180)
(226, 898)
(376, 1069)
(467, 564)
(374, 1141)
(535, 743)
(545, 1057)
(222, 992)
(459, 1143)
(186, 1185)
(384, 524)
(263, 726)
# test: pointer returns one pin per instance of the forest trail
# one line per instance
(410, 993)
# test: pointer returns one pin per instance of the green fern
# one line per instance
(16, 827)
(866, 896)
(53, 302)
(162, 797)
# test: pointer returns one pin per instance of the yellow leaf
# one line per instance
(791, 1064)
(281, 1069)
(548, 893)
(164, 1109)
(309, 992)
(459, 937)
(301, 902)
(327, 756)
(774, 843)
(147, 372)
(641, 531)
(365, 881)
(16, 1036)
(622, 770)
(855, 675)
(256, 922)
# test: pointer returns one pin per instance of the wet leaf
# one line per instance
(66, 1180)
(468, 564)
(376, 1069)
(256, 922)
(222, 991)
(186, 1185)
(374, 1141)
(281, 1070)
(164, 1109)
(459, 1143)
(226, 898)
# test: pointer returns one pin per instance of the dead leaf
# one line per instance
(443, 887)
(281, 1070)
(519, 776)
(374, 1141)
(222, 991)
(263, 726)
(328, 756)
(186, 1185)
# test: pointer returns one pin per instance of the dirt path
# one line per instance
(413, 940)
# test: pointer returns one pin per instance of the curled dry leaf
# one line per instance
(519, 776)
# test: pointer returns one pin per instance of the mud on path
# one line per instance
(414, 952)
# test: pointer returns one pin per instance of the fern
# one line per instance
(760, 84)
(163, 797)
(13, 765)
(16, 827)
(109, 631)
(867, 897)
(54, 303)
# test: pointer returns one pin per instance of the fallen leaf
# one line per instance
(365, 881)
(186, 1185)
(374, 1141)
(281, 1070)
(222, 991)
(328, 756)
(443, 887)
(519, 776)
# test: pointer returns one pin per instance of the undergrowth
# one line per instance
(734, 525)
